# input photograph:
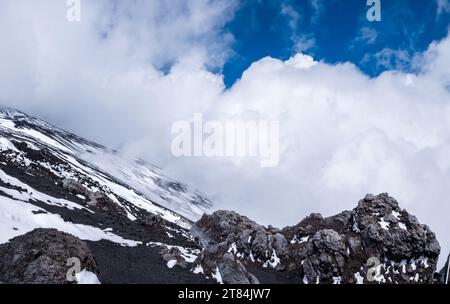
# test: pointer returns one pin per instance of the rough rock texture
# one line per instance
(40, 257)
(94, 199)
(377, 242)
(219, 234)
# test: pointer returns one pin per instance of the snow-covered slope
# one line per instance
(128, 211)
(106, 166)
(35, 154)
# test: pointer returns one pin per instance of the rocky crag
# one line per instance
(377, 242)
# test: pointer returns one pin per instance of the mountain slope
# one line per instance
(88, 157)
(50, 178)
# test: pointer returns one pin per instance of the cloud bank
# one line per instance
(125, 73)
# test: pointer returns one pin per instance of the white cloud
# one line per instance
(301, 41)
(104, 69)
(389, 59)
(342, 134)
(366, 35)
(443, 6)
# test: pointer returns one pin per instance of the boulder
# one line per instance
(44, 256)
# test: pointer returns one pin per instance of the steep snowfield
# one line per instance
(18, 218)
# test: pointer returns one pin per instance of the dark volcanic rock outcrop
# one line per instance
(41, 257)
(377, 242)
(220, 234)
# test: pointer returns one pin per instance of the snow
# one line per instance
(384, 224)
(355, 227)
(274, 260)
(127, 194)
(402, 226)
(171, 264)
(403, 267)
(396, 214)
(233, 248)
(18, 218)
(87, 278)
(188, 254)
(134, 181)
(423, 261)
(302, 240)
(35, 135)
(147, 180)
(27, 193)
(198, 269)
(379, 277)
(413, 265)
(217, 276)
(6, 145)
(180, 231)
(98, 170)
(337, 280)
(359, 278)
(403, 264)
(7, 124)
(131, 196)
(252, 258)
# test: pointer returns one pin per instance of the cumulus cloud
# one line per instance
(301, 41)
(126, 73)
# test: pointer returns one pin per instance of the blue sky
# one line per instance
(333, 31)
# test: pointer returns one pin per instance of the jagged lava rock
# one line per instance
(225, 233)
(377, 242)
